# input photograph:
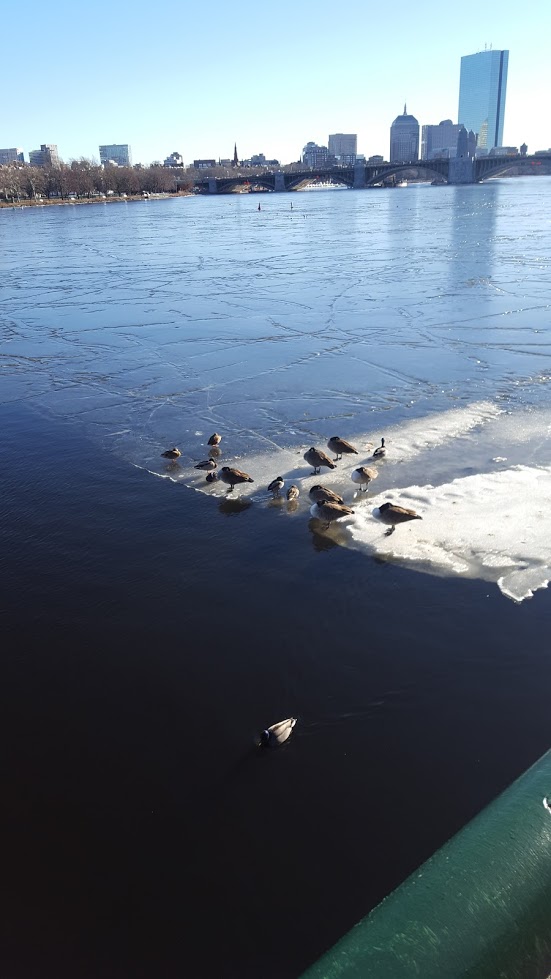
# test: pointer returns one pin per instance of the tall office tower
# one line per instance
(118, 153)
(12, 155)
(404, 139)
(46, 156)
(344, 146)
(482, 89)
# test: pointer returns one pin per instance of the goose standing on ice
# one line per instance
(363, 476)
(330, 512)
(380, 452)
(276, 485)
(277, 733)
(322, 494)
(391, 513)
(341, 447)
(317, 459)
(234, 477)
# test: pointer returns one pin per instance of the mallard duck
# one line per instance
(276, 485)
(233, 477)
(330, 512)
(391, 513)
(215, 439)
(322, 494)
(293, 493)
(363, 476)
(206, 464)
(380, 452)
(171, 453)
(277, 733)
(317, 459)
(212, 477)
(341, 447)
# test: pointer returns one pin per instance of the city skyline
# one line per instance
(178, 88)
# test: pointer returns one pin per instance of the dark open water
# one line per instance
(151, 630)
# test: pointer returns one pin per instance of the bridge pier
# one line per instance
(359, 176)
(212, 185)
(461, 171)
(279, 182)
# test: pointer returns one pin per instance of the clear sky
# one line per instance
(271, 76)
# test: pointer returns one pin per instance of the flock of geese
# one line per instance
(328, 505)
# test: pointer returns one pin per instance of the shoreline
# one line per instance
(114, 199)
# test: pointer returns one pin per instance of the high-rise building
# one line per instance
(482, 90)
(404, 139)
(314, 155)
(118, 153)
(466, 144)
(439, 142)
(344, 147)
(46, 156)
(13, 155)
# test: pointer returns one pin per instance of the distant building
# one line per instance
(440, 142)
(404, 139)
(482, 90)
(204, 164)
(504, 151)
(174, 160)
(375, 159)
(344, 147)
(118, 153)
(466, 144)
(523, 149)
(46, 156)
(13, 155)
(314, 155)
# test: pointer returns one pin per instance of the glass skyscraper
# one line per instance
(482, 88)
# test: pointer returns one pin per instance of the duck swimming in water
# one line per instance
(171, 453)
(341, 447)
(380, 452)
(276, 485)
(363, 476)
(277, 733)
(234, 477)
(391, 513)
(317, 459)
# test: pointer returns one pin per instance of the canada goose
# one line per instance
(277, 733)
(206, 464)
(276, 485)
(391, 513)
(212, 477)
(322, 494)
(317, 459)
(215, 439)
(234, 477)
(293, 493)
(363, 476)
(171, 453)
(330, 512)
(340, 447)
(380, 452)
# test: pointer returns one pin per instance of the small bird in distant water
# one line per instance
(363, 476)
(276, 485)
(234, 477)
(293, 493)
(341, 447)
(171, 453)
(212, 477)
(277, 733)
(330, 512)
(206, 464)
(317, 459)
(391, 513)
(322, 494)
(380, 452)
(215, 439)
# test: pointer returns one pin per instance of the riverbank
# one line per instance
(112, 199)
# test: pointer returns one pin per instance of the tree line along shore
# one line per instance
(83, 181)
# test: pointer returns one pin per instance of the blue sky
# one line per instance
(197, 77)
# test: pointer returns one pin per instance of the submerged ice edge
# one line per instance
(488, 526)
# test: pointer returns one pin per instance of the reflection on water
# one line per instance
(320, 536)
(231, 506)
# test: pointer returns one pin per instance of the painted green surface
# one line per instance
(480, 908)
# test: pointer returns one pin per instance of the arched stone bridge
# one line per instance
(457, 171)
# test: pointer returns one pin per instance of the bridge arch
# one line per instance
(390, 170)
(229, 185)
(344, 177)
